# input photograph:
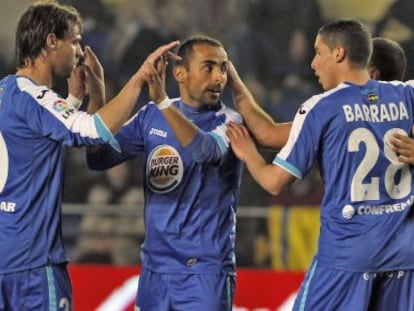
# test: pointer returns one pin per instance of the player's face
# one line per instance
(323, 64)
(67, 53)
(206, 76)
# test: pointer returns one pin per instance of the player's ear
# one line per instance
(51, 41)
(179, 73)
(340, 53)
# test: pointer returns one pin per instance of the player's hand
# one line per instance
(403, 146)
(240, 141)
(233, 78)
(94, 76)
(76, 83)
(146, 71)
(156, 80)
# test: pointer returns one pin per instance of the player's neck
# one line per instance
(38, 72)
(356, 76)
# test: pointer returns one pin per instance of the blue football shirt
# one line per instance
(191, 192)
(367, 221)
(35, 126)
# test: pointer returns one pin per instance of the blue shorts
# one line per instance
(42, 289)
(201, 292)
(326, 289)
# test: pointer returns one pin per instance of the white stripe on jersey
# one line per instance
(231, 116)
(300, 118)
(74, 120)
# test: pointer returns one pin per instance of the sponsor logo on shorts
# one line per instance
(389, 275)
(164, 169)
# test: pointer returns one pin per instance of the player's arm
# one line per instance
(271, 177)
(265, 130)
(119, 109)
(404, 147)
(104, 157)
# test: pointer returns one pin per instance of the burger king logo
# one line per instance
(164, 169)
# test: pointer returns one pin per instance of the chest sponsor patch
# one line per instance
(164, 169)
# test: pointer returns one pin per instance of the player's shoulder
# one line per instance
(398, 84)
(231, 114)
(39, 93)
(328, 96)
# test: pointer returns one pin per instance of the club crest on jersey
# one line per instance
(164, 169)
(63, 108)
(372, 97)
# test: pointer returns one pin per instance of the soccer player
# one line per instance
(388, 62)
(365, 257)
(35, 126)
(192, 181)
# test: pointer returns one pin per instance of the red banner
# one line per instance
(110, 288)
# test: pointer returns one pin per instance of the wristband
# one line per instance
(164, 104)
(76, 102)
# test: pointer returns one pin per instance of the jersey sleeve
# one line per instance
(213, 146)
(298, 155)
(52, 116)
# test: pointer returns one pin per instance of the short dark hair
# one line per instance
(353, 35)
(186, 48)
(388, 57)
(38, 21)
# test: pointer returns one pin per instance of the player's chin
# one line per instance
(213, 102)
(66, 72)
(214, 98)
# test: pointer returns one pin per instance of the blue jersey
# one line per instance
(191, 192)
(35, 127)
(367, 221)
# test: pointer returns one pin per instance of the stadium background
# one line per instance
(271, 44)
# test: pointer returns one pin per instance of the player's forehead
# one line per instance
(74, 32)
(321, 43)
(208, 53)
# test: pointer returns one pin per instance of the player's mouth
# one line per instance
(215, 91)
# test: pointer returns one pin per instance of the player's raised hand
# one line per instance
(156, 80)
(233, 78)
(403, 146)
(76, 83)
(94, 76)
(146, 70)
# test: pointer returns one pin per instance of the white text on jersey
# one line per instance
(375, 113)
(8, 207)
(157, 132)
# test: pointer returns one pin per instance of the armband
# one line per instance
(164, 104)
(76, 102)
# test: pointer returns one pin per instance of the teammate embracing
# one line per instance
(365, 258)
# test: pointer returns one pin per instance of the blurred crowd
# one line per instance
(269, 41)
